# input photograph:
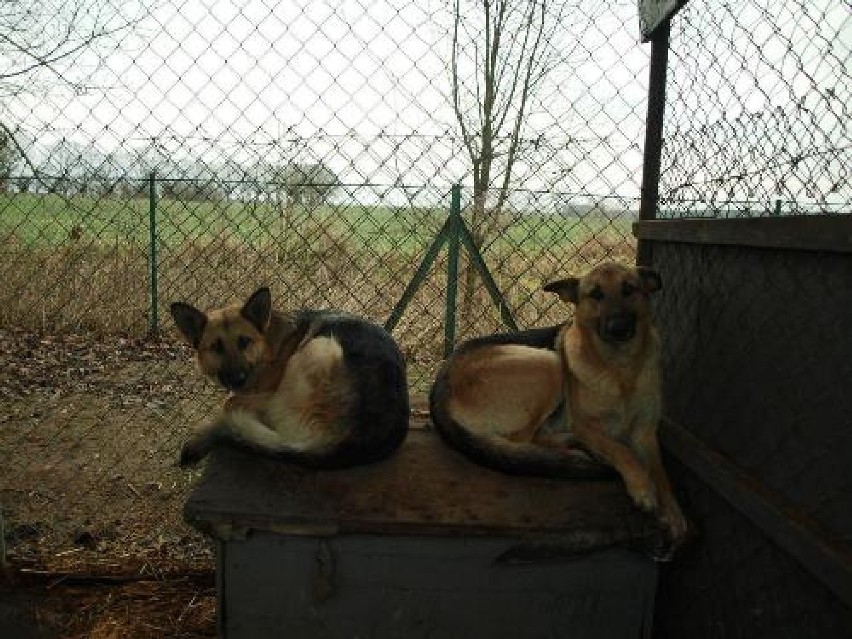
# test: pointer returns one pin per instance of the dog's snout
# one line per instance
(233, 378)
(620, 327)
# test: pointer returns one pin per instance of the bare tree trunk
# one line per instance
(502, 83)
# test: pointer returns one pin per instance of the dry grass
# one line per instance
(105, 289)
(75, 606)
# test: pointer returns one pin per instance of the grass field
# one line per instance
(51, 220)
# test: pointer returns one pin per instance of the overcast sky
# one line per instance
(365, 87)
(367, 83)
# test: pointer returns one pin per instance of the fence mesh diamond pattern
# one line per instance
(758, 110)
(159, 151)
(757, 125)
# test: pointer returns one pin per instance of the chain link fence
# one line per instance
(757, 125)
(758, 110)
(156, 151)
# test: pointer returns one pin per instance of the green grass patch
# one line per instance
(50, 220)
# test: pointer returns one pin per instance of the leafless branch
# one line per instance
(454, 60)
(12, 139)
(515, 38)
(37, 37)
(521, 112)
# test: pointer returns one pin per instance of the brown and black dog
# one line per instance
(316, 387)
(532, 402)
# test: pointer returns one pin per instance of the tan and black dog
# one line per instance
(316, 387)
(502, 399)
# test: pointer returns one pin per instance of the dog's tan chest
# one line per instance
(616, 395)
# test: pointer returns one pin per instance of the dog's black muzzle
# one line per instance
(620, 327)
(233, 378)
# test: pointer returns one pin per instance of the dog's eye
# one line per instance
(627, 289)
(243, 342)
(217, 347)
(596, 293)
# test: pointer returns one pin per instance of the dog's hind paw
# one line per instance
(664, 548)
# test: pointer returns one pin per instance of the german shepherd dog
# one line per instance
(528, 402)
(319, 388)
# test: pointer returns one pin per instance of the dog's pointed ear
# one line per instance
(568, 289)
(650, 280)
(258, 309)
(190, 321)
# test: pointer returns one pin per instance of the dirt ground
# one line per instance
(90, 493)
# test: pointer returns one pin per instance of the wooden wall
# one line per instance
(756, 317)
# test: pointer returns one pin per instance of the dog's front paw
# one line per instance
(192, 452)
(674, 522)
(675, 533)
(663, 548)
(643, 494)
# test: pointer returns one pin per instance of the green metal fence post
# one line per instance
(452, 270)
(419, 276)
(152, 254)
(490, 285)
(455, 233)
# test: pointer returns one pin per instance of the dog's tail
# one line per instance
(514, 458)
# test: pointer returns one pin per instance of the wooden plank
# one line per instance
(807, 233)
(804, 540)
(425, 488)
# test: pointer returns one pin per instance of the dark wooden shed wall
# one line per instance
(757, 326)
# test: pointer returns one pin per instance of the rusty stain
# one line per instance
(424, 488)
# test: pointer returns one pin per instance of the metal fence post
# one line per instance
(653, 135)
(452, 269)
(152, 253)
(777, 211)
